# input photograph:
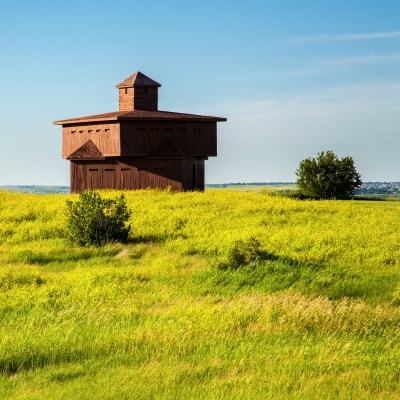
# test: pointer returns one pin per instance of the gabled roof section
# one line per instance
(138, 79)
(88, 151)
(139, 115)
(167, 149)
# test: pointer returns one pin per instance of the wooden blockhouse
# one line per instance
(138, 146)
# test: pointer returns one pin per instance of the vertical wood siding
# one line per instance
(196, 139)
(126, 145)
(105, 136)
(138, 98)
(126, 173)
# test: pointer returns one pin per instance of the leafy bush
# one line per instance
(244, 252)
(327, 176)
(93, 220)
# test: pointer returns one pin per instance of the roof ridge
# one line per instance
(137, 79)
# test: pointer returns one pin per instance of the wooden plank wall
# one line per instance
(127, 173)
(126, 99)
(138, 98)
(197, 139)
(105, 136)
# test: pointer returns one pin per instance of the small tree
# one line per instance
(93, 220)
(327, 176)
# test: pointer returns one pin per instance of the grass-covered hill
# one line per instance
(162, 317)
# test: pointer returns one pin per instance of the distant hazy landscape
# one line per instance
(379, 189)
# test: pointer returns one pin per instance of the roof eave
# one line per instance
(80, 121)
(171, 119)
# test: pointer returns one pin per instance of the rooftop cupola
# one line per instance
(138, 92)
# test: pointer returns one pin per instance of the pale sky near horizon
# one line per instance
(292, 77)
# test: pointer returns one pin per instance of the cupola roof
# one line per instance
(138, 79)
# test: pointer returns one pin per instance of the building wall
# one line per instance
(106, 136)
(140, 138)
(138, 98)
(135, 173)
(197, 139)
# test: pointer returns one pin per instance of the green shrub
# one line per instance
(327, 176)
(93, 220)
(244, 252)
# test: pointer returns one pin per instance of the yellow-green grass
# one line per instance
(255, 188)
(319, 317)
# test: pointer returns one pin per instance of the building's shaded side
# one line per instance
(195, 138)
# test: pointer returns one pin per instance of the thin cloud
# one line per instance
(345, 38)
(338, 65)
(375, 59)
(341, 65)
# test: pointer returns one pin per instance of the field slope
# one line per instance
(317, 318)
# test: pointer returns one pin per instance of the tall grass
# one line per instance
(316, 317)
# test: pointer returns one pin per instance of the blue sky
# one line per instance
(292, 77)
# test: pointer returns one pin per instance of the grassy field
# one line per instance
(317, 318)
(254, 188)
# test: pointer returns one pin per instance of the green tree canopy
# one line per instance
(327, 176)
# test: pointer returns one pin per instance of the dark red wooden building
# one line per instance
(138, 146)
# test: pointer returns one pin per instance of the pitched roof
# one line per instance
(138, 79)
(167, 149)
(88, 151)
(139, 115)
